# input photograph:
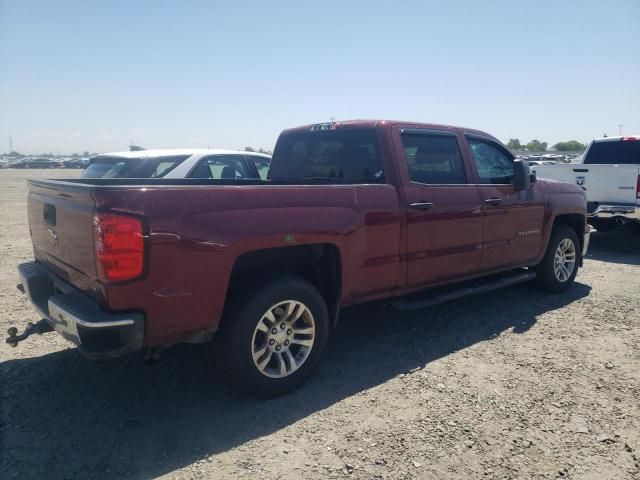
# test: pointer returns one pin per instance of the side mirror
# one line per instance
(521, 174)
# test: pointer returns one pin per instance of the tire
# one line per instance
(547, 276)
(247, 328)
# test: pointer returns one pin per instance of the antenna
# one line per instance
(620, 125)
(10, 144)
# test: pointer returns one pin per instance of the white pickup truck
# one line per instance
(609, 171)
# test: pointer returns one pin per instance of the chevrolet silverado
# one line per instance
(351, 212)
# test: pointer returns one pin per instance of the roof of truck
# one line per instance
(618, 138)
(364, 123)
(172, 152)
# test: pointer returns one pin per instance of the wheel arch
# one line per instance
(320, 264)
(575, 221)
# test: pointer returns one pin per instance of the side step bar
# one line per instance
(473, 287)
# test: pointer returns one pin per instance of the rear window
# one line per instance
(117, 167)
(346, 156)
(613, 151)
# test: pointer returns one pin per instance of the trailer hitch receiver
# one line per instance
(42, 326)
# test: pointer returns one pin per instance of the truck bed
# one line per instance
(195, 230)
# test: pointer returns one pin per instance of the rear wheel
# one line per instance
(557, 270)
(271, 341)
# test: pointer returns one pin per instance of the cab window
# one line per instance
(330, 155)
(433, 159)
(494, 165)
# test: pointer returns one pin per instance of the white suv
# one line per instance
(179, 163)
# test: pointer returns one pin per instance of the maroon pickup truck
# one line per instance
(351, 212)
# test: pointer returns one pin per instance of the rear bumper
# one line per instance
(78, 318)
(604, 212)
(585, 240)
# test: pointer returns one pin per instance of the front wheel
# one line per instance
(271, 341)
(557, 270)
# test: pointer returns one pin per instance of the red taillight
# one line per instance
(119, 246)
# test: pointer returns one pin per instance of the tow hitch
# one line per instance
(40, 327)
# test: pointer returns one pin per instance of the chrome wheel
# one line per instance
(283, 339)
(564, 261)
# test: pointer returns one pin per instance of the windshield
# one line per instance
(614, 152)
(346, 156)
(118, 167)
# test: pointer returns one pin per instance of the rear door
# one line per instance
(443, 210)
(513, 219)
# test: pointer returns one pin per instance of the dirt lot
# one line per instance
(512, 384)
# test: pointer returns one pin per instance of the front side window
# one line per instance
(493, 164)
(221, 167)
(433, 159)
(346, 156)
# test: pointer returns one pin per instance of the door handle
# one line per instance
(494, 202)
(420, 205)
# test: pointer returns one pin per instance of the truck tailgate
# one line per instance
(614, 184)
(61, 227)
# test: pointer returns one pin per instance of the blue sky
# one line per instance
(85, 75)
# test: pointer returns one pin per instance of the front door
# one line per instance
(444, 212)
(513, 219)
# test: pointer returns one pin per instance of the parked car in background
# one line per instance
(74, 163)
(541, 162)
(35, 162)
(176, 163)
(352, 212)
(609, 172)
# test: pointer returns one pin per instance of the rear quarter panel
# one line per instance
(197, 233)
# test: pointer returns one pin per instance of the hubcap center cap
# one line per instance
(280, 337)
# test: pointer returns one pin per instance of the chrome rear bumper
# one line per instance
(585, 240)
(627, 212)
(78, 318)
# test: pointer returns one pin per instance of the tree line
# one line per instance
(260, 150)
(538, 146)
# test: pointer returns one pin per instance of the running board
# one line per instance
(473, 287)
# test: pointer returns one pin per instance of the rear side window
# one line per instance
(433, 159)
(225, 167)
(614, 152)
(494, 165)
(346, 156)
(118, 167)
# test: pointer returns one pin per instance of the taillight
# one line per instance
(119, 246)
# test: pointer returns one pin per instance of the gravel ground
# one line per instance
(511, 384)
